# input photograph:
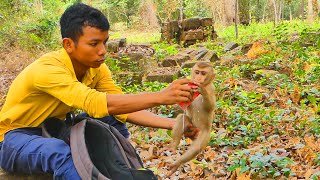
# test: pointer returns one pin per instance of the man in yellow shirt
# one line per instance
(74, 77)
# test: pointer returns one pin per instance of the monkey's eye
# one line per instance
(203, 73)
(197, 72)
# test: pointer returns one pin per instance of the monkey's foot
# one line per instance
(173, 151)
(170, 148)
(172, 168)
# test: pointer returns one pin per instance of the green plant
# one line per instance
(162, 136)
(153, 86)
(112, 63)
(185, 72)
(39, 34)
(260, 165)
(164, 49)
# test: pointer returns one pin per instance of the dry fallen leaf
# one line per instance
(307, 67)
(295, 95)
(310, 141)
(256, 50)
(308, 174)
(147, 155)
(237, 176)
(293, 142)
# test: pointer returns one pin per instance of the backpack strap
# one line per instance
(80, 155)
(100, 152)
(132, 157)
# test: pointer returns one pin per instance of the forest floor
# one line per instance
(12, 62)
(220, 160)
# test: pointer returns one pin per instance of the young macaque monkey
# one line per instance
(200, 113)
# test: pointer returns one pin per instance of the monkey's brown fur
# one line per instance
(200, 113)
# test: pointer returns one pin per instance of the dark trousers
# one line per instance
(24, 150)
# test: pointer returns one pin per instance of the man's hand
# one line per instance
(177, 92)
(191, 132)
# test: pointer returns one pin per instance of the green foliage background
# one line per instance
(33, 24)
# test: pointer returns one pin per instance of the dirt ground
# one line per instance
(12, 62)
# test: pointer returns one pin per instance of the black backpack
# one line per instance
(98, 150)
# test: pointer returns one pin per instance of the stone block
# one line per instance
(164, 74)
(176, 60)
(129, 78)
(230, 46)
(210, 56)
(206, 22)
(188, 64)
(114, 44)
(191, 23)
(192, 35)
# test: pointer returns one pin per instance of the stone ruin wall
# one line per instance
(137, 62)
(188, 31)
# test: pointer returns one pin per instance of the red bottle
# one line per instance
(185, 105)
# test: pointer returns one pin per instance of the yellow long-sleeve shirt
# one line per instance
(48, 87)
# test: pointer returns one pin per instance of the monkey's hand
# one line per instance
(202, 90)
(199, 87)
(191, 131)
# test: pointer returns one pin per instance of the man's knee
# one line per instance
(56, 149)
(58, 156)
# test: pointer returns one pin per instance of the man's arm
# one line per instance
(127, 103)
(149, 119)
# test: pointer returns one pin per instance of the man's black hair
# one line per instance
(78, 16)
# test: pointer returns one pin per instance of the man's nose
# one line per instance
(102, 50)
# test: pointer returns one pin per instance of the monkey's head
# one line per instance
(202, 73)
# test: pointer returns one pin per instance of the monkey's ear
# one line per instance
(68, 44)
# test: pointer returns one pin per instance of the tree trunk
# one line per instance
(236, 17)
(264, 12)
(316, 8)
(302, 10)
(280, 10)
(148, 14)
(38, 6)
(277, 10)
(310, 11)
(229, 10)
(275, 20)
(219, 10)
(181, 10)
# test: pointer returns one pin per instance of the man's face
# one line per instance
(90, 50)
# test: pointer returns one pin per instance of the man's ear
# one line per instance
(68, 44)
